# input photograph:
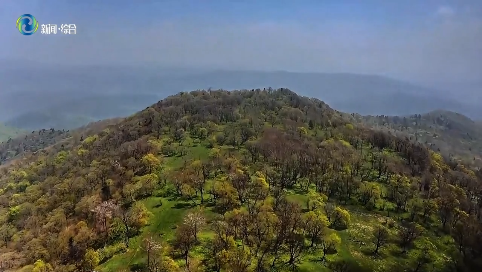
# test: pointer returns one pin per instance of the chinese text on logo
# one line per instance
(68, 29)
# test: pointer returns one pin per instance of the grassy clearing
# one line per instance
(164, 218)
(356, 242)
(162, 224)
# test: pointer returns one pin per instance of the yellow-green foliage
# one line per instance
(61, 156)
(109, 251)
(90, 140)
(183, 175)
(41, 266)
(82, 152)
(91, 259)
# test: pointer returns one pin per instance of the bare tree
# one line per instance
(151, 246)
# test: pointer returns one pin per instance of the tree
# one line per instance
(184, 240)
(409, 234)
(222, 240)
(138, 216)
(341, 218)
(151, 247)
(415, 206)
(315, 200)
(423, 256)
(237, 258)
(225, 196)
(103, 213)
(202, 133)
(381, 237)
(151, 162)
(240, 181)
(41, 266)
(329, 244)
(370, 193)
(91, 259)
(195, 221)
(257, 191)
(302, 131)
(167, 264)
(179, 135)
(146, 184)
(330, 209)
(295, 246)
(198, 174)
(316, 226)
(429, 207)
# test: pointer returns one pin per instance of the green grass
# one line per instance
(162, 224)
(356, 241)
(164, 218)
(8, 132)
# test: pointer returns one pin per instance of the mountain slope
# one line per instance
(7, 132)
(38, 140)
(239, 181)
(451, 133)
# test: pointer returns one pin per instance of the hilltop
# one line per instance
(259, 180)
(453, 134)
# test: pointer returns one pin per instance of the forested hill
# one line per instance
(260, 180)
(454, 135)
(37, 140)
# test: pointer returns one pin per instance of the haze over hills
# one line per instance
(74, 113)
(70, 96)
(7, 132)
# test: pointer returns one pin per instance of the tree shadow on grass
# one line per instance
(183, 205)
(137, 267)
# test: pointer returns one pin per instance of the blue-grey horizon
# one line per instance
(438, 43)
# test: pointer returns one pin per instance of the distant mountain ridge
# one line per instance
(79, 112)
(68, 97)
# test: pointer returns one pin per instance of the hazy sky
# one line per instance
(420, 40)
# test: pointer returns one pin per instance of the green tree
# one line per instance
(237, 258)
(41, 266)
(91, 259)
(151, 162)
(330, 244)
(315, 200)
(316, 226)
(381, 237)
(138, 216)
(341, 218)
(423, 257)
